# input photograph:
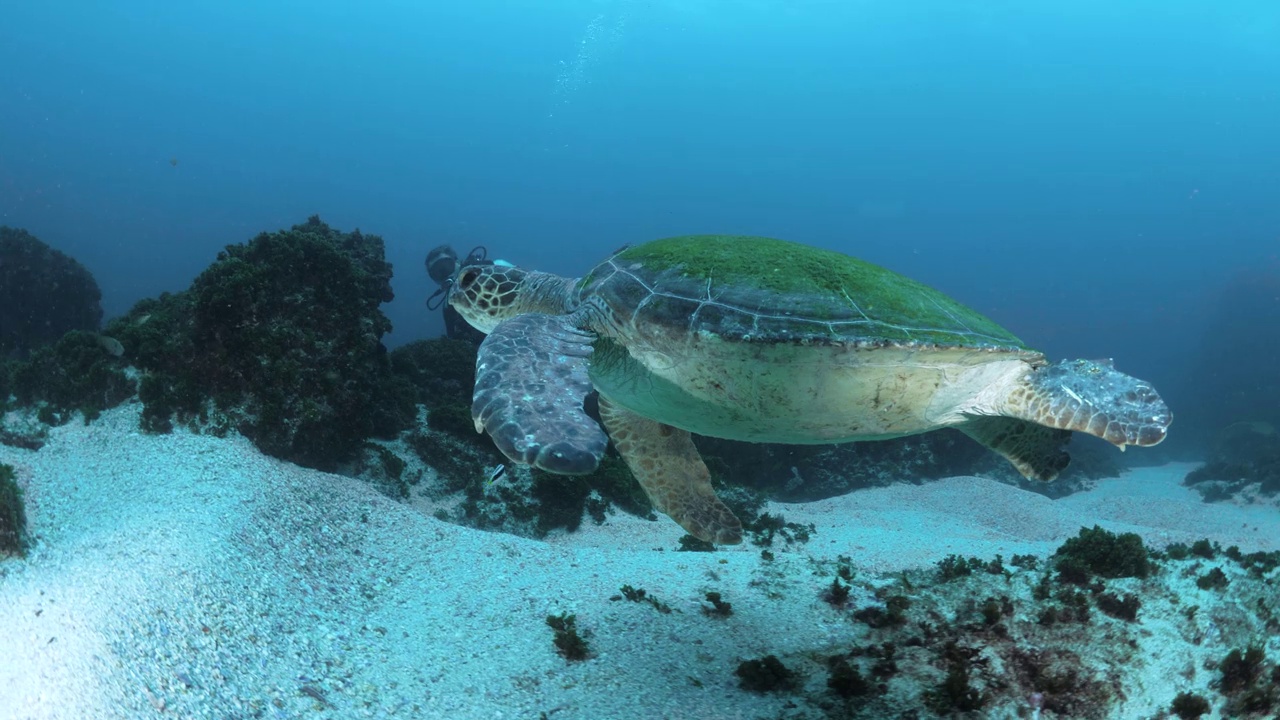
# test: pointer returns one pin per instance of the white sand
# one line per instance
(188, 576)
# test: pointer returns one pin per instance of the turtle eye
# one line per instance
(468, 277)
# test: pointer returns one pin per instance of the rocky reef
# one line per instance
(44, 294)
(280, 339)
(1063, 636)
(1244, 462)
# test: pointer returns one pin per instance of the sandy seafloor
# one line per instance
(188, 576)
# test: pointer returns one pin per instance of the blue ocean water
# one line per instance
(1101, 178)
(1092, 175)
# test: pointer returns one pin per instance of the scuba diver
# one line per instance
(442, 267)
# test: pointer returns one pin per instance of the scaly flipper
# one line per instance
(531, 380)
(1038, 452)
(668, 467)
(1091, 397)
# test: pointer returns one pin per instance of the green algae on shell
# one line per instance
(743, 288)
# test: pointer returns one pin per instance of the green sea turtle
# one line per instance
(764, 340)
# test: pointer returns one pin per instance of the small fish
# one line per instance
(497, 473)
(111, 345)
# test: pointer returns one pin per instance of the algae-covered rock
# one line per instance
(280, 338)
(442, 371)
(1100, 552)
(13, 516)
(79, 372)
(1244, 455)
(44, 293)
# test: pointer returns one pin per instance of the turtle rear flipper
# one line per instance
(672, 473)
(1038, 452)
(531, 380)
(1091, 396)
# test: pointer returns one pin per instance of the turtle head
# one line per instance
(485, 295)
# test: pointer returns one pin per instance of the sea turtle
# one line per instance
(764, 340)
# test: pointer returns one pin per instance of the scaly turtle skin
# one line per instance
(764, 340)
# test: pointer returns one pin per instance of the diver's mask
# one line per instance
(442, 263)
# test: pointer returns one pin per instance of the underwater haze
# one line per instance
(1095, 176)
(259, 496)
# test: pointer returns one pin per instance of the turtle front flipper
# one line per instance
(1091, 396)
(531, 380)
(1038, 452)
(672, 473)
